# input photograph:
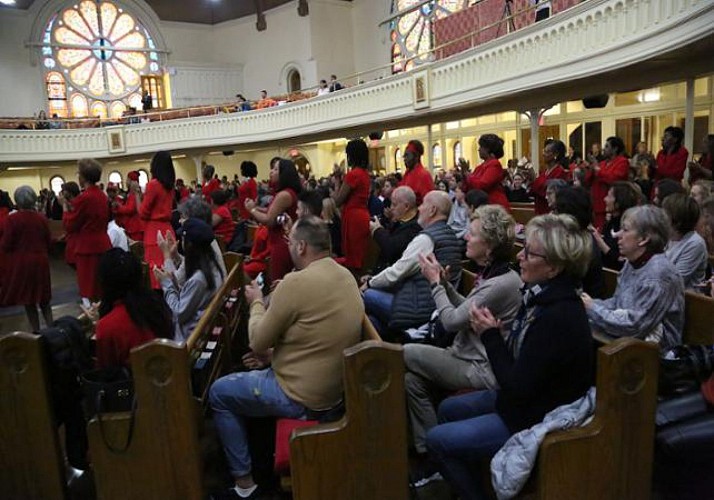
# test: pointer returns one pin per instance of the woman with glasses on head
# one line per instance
(545, 361)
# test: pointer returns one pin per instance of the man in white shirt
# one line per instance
(117, 236)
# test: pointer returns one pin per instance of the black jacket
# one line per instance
(394, 241)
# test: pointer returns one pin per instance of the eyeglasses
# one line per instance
(527, 253)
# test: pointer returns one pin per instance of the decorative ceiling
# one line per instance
(203, 11)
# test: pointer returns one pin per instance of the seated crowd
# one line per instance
(519, 342)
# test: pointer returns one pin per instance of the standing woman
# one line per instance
(489, 175)
(155, 209)
(554, 158)
(24, 247)
(352, 195)
(86, 218)
(128, 212)
(614, 167)
(248, 189)
(284, 176)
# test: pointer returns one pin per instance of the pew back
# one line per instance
(698, 325)
(31, 463)
(522, 212)
(363, 455)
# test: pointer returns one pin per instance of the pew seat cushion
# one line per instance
(283, 430)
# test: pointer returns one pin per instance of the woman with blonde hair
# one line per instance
(331, 214)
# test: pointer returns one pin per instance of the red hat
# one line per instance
(133, 175)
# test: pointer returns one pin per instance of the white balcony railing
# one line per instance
(595, 38)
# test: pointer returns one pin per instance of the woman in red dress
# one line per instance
(489, 175)
(155, 209)
(285, 178)
(554, 158)
(86, 218)
(248, 189)
(127, 213)
(615, 167)
(221, 219)
(24, 248)
(352, 194)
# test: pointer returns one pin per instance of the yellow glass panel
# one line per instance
(71, 57)
(469, 122)
(79, 106)
(127, 74)
(64, 35)
(135, 101)
(99, 109)
(701, 86)
(109, 15)
(555, 110)
(80, 75)
(123, 25)
(577, 106)
(134, 40)
(96, 81)
(73, 20)
(89, 13)
(116, 86)
(116, 109)
(136, 60)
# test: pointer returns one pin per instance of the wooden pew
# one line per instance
(698, 324)
(163, 459)
(610, 280)
(611, 457)
(468, 279)
(31, 462)
(522, 212)
(363, 455)
(370, 257)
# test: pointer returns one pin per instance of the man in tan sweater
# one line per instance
(315, 313)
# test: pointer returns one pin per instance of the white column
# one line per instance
(429, 149)
(534, 114)
(198, 161)
(689, 117)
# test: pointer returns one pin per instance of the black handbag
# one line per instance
(109, 390)
(684, 368)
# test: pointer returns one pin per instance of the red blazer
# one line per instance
(488, 177)
(539, 187)
(617, 169)
(127, 215)
(247, 191)
(87, 221)
(157, 203)
(419, 180)
(209, 187)
(671, 166)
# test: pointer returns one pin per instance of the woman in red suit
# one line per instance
(248, 189)
(221, 219)
(70, 190)
(672, 158)
(352, 195)
(86, 218)
(155, 209)
(489, 175)
(127, 213)
(24, 247)
(554, 158)
(284, 176)
(615, 167)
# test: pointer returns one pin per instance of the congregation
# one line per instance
(481, 364)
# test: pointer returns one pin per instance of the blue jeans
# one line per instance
(470, 431)
(378, 306)
(247, 394)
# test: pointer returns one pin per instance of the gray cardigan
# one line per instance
(690, 256)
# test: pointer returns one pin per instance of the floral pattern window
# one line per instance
(411, 34)
(100, 51)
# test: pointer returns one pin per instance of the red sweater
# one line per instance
(419, 180)
(671, 166)
(117, 335)
(87, 222)
(488, 177)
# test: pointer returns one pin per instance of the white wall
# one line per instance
(371, 42)
(331, 39)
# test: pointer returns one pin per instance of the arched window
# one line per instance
(411, 33)
(56, 94)
(397, 159)
(78, 105)
(100, 51)
(143, 178)
(56, 184)
(458, 152)
(115, 178)
(294, 81)
(436, 155)
(99, 109)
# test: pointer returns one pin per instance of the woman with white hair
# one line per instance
(24, 250)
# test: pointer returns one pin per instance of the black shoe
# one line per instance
(423, 473)
(232, 494)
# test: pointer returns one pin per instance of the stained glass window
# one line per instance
(436, 155)
(397, 159)
(56, 94)
(102, 51)
(411, 34)
(458, 153)
(56, 184)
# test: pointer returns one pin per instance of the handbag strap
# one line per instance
(132, 421)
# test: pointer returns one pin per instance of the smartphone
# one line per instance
(281, 219)
(259, 280)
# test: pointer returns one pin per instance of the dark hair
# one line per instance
(6, 201)
(626, 195)
(676, 133)
(162, 169)
(90, 170)
(314, 232)
(683, 212)
(120, 276)
(72, 188)
(273, 160)
(492, 143)
(417, 145)
(219, 197)
(559, 150)
(575, 201)
(207, 171)
(248, 169)
(666, 187)
(203, 258)
(710, 146)
(617, 144)
(475, 198)
(288, 176)
(357, 154)
(312, 200)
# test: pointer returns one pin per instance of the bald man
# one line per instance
(403, 227)
(400, 297)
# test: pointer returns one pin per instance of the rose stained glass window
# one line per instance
(411, 34)
(102, 51)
